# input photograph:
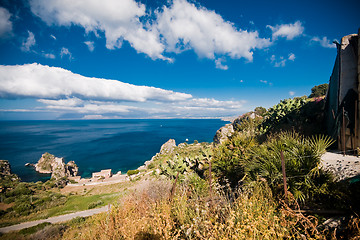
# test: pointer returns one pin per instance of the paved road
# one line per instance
(56, 219)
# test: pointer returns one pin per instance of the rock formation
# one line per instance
(7, 179)
(168, 147)
(5, 168)
(48, 163)
(223, 133)
(228, 130)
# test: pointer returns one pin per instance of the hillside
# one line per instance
(232, 188)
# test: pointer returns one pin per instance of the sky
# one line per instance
(129, 59)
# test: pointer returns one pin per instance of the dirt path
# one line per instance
(56, 219)
(342, 166)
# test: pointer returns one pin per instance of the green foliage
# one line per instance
(34, 229)
(319, 90)
(281, 111)
(306, 181)
(230, 157)
(186, 159)
(95, 204)
(23, 208)
(261, 111)
(132, 172)
(77, 221)
(300, 114)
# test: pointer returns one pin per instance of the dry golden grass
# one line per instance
(149, 214)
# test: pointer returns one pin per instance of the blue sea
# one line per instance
(96, 144)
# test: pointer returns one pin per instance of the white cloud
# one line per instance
(219, 65)
(176, 28)
(65, 52)
(90, 45)
(5, 23)
(291, 93)
(63, 92)
(184, 26)
(324, 42)
(49, 55)
(28, 43)
(70, 102)
(290, 31)
(93, 108)
(119, 20)
(281, 61)
(292, 57)
(39, 81)
(266, 82)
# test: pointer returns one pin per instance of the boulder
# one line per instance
(223, 133)
(168, 147)
(5, 168)
(48, 163)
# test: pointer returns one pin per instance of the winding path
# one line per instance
(56, 219)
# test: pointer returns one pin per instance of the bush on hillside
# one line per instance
(132, 172)
(319, 90)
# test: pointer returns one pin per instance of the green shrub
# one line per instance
(34, 229)
(77, 221)
(319, 90)
(95, 204)
(132, 172)
(23, 208)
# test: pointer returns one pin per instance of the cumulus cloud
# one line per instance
(219, 65)
(90, 45)
(5, 23)
(119, 20)
(184, 26)
(28, 43)
(39, 81)
(63, 92)
(178, 27)
(292, 57)
(324, 42)
(289, 31)
(65, 52)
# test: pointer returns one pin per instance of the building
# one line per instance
(342, 99)
(102, 174)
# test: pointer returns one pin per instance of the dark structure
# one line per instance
(342, 100)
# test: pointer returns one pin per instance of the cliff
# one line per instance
(7, 179)
(48, 163)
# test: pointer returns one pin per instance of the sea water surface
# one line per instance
(96, 144)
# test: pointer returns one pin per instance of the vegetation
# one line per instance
(132, 172)
(241, 196)
(319, 90)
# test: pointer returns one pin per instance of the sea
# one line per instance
(94, 145)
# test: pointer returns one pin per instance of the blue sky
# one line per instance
(90, 59)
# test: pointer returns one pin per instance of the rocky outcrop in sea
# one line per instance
(48, 163)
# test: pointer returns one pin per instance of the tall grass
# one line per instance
(251, 213)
